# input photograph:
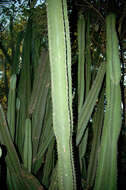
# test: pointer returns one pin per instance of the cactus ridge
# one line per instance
(69, 81)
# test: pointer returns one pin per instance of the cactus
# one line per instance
(24, 86)
(17, 177)
(47, 136)
(37, 160)
(54, 183)
(36, 50)
(27, 153)
(106, 176)
(49, 164)
(97, 128)
(61, 89)
(38, 100)
(81, 60)
(89, 104)
(17, 134)
(43, 116)
(11, 106)
(88, 56)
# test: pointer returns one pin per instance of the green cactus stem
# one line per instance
(60, 66)
(81, 60)
(106, 176)
(11, 106)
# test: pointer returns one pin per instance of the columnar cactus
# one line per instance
(106, 177)
(60, 66)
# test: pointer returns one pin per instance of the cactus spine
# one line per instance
(106, 176)
(60, 64)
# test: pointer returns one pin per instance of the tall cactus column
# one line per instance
(60, 63)
(106, 176)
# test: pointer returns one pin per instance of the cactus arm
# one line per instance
(54, 183)
(24, 86)
(106, 176)
(38, 84)
(5, 138)
(88, 56)
(11, 106)
(46, 135)
(19, 178)
(61, 89)
(27, 152)
(113, 50)
(89, 104)
(38, 101)
(81, 49)
(49, 164)
(17, 120)
(97, 128)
